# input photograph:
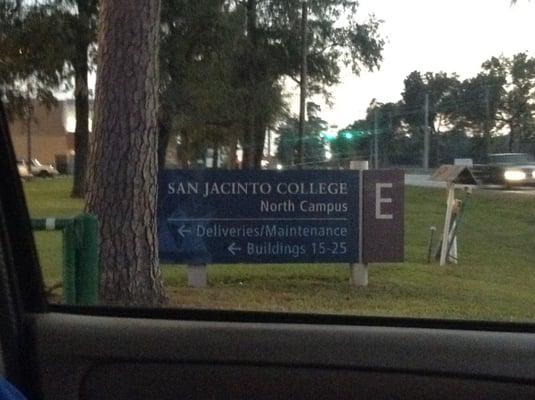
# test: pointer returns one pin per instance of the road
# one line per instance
(425, 181)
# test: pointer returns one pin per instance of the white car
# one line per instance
(24, 172)
(42, 170)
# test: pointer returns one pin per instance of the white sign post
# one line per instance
(447, 223)
(451, 174)
(197, 275)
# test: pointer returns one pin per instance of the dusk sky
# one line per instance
(428, 35)
(431, 35)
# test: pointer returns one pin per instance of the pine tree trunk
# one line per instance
(514, 139)
(232, 159)
(249, 145)
(122, 176)
(260, 139)
(81, 102)
(164, 135)
(215, 156)
(81, 132)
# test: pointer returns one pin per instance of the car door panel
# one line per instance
(187, 381)
(103, 357)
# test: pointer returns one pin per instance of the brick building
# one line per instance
(51, 131)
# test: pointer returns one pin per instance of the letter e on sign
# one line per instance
(382, 216)
(379, 199)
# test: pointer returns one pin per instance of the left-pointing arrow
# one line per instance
(233, 248)
(183, 230)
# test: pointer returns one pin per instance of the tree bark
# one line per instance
(81, 100)
(164, 135)
(514, 138)
(249, 142)
(81, 131)
(215, 156)
(260, 139)
(122, 178)
(232, 158)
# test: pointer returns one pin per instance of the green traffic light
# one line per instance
(329, 135)
(346, 134)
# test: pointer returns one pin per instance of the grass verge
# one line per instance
(494, 279)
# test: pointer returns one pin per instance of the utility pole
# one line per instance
(486, 132)
(376, 139)
(29, 141)
(28, 119)
(386, 158)
(303, 83)
(426, 132)
(371, 153)
(269, 146)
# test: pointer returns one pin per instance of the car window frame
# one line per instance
(30, 284)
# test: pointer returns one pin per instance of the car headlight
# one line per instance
(533, 174)
(514, 175)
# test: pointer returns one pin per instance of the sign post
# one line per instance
(452, 175)
(197, 275)
(447, 223)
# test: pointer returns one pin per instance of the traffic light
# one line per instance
(329, 136)
(346, 134)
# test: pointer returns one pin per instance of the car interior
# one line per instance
(74, 352)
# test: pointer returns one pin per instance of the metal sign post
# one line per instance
(80, 256)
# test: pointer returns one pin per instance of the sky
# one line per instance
(430, 35)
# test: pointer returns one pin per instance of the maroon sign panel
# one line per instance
(383, 216)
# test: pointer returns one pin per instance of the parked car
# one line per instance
(24, 171)
(42, 170)
(506, 169)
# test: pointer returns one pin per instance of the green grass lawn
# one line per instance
(494, 279)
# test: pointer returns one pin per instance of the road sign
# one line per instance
(220, 216)
(383, 216)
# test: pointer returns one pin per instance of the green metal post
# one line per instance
(80, 256)
(69, 263)
(87, 271)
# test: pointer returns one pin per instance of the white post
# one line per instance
(447, 223)
(453, 252)
(197, 275)
(452, 237)
(359, 271)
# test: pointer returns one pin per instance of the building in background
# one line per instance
(51, 130)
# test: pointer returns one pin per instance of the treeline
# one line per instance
(491, 112)
(224, 66)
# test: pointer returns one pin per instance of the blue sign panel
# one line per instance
(221, 216)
